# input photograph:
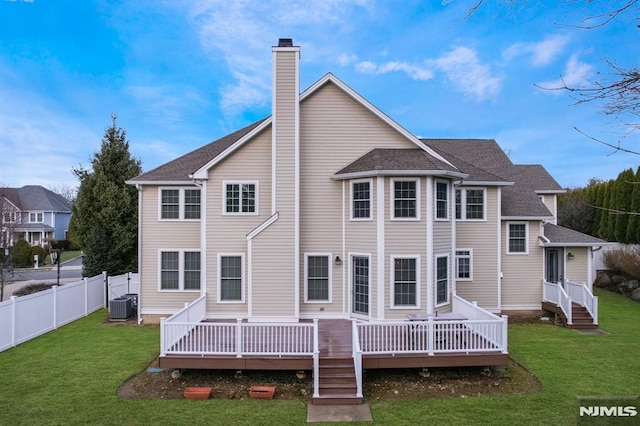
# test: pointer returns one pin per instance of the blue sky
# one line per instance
(180, 74)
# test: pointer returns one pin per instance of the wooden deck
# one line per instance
(335, 341)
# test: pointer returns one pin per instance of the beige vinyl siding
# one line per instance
(167, 235)
(482, 237)
(522, 273)
(405, 238)
(225, 233)
(335, 131)
(551, 200)
(578, 267)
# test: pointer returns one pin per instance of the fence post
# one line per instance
(55, 306)
(13, 320)
(86, 297)
(128, 282)
(105, 280)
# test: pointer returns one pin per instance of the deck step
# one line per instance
(337, 399)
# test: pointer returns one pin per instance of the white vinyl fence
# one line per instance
(120, 285)
(24, 318)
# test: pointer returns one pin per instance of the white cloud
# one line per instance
(237, 31)
(345, 59)
(463, 68)
(576, 74)
(541, 53)
(415, 72)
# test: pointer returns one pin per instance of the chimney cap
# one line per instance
(285, 42)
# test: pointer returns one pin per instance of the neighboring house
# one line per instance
(34, 214)
(329, 210)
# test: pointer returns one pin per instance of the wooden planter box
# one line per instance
(262, 392)
(197, 393)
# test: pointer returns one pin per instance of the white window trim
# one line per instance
(392, 274)
(36, 217)
(526, 238)
(239, 182)
(242, 277)
(392, 197)
(351, 200)
(181, 203)
(329, 257)
(435, 280)
(470, 256)
(180, 288)
(435, 201)
(463, 204)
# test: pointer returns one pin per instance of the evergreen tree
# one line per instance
(624, 188)
(633, 226)
(105, 215)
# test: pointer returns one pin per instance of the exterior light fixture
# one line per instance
(570, 256)
(338, 261)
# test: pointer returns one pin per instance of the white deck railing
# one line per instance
(238, 339)
(433, 337)
(580, 294)
(474, 312)
(554, 293)
(182, 323)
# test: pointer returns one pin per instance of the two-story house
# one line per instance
(34, 214)
(329, 218)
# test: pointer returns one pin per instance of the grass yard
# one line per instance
(71, 376)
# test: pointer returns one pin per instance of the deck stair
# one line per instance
(580, 317)
(337, 378)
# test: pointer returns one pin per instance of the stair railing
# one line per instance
(357, 357)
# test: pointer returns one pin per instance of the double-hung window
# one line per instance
(179, 270)
(361, 200)
(240, 198)
(517, 238)
(442, 280)
(405, 201)
(180, 203)
(318, 278)
(36, 217)
(470, 204)
(405, 281)
(442, 200)
(464, 265)
(230, 278)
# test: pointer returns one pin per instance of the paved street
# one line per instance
(70, 271)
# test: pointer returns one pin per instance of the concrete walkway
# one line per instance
(338, 413)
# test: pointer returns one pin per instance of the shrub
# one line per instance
(32, 288)
(21, 253)
(625, 261)
(42, 254)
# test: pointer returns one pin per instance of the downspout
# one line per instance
(139, 188)
(203, 233)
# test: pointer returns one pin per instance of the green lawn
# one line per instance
(71, 375)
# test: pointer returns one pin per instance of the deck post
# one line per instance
(163, 350)
(239, 338)
(595, 310)
(316, 360)
(505, 330)
(431, 336)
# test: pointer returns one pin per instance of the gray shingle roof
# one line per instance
(558, 235)
(179, 169)
(485, 161)
(387, 159)
(36, 198)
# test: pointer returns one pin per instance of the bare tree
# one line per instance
(9, 219)
(66, 191)
(616, 91)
